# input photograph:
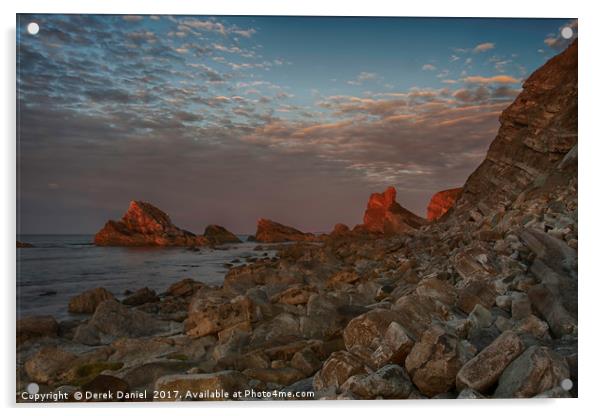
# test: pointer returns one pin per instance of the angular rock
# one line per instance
(435, 360)
(48, 363)
(416, 313)
(185, 287)
(140, 297)
(438, 289)
(209, 316)
(296, 295)
(306, 361)
(88, 301)
(113, 320)
(145, 225)
(550, 307)
(482, 371)
(535, 371)
(37, 326)
(337, 369)
(388, 382)
(476, 292)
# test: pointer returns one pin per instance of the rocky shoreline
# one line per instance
(481, 303)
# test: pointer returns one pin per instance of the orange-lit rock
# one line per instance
(441, 202)
(145, 225)
(385, 215)
(272, 232)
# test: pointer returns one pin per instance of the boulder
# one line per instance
(210, 316)
(388, 382)
(438, 289)
(416, 313)
(306, 361)
(88, 301)
(441, 202)
(435, 360)
(337, 369)
(216, 234)
(37, 326)
(550, 308)
(140, 297)
(145, 225)
(46, 365)
(535, 371)
(113, 320)
(269, 231)
(476, 292)
(482, 371)
(385, 216)
(296, 295)
(185, 287)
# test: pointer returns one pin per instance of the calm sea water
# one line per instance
(62, 266)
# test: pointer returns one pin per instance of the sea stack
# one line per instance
(216, 234)
(145, 225)
(384, 215)
(269, 231)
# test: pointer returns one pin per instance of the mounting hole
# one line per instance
(33, 28)
(566, 384)
(33, 388)
(566, 32)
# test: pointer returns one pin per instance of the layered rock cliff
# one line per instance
(536, 131)
(145, 225)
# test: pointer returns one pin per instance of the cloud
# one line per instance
(483, 47)
(362, 78)
(496, 79)
(428, 67)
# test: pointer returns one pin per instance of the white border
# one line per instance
(589, 201)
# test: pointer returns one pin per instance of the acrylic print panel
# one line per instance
(295, 208)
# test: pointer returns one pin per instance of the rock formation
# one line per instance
(272, 232)
(441, 202)
(216, 234)
(145, 225)
(536, 131)
(384, 215)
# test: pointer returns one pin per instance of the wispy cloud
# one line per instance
(483, 47)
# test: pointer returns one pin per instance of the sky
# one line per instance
(226, 119)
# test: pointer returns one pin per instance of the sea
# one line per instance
(59, 267)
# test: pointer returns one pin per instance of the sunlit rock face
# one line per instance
(384, 215)
(441, 202)
(145, 225)
(269, 231)
(537, 130)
